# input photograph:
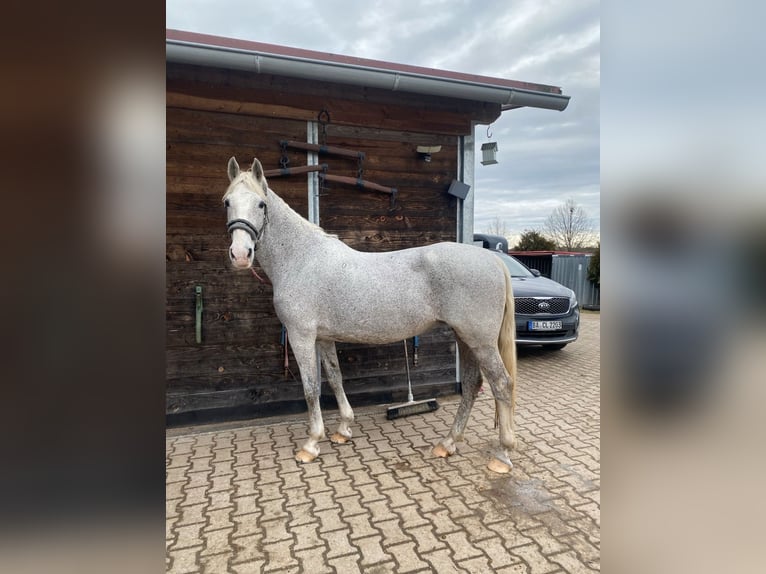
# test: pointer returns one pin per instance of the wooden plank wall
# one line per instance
(238, 369)
(238, 365)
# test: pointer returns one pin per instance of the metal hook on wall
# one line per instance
(489, 133)
(323, 118)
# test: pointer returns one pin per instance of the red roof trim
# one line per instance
(246, 45)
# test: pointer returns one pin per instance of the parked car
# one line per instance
(547, 313)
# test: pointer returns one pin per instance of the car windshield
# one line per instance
(515, 266)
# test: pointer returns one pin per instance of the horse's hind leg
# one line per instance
(304, 350)
(502, 388)
(471, 382)
(330, 363)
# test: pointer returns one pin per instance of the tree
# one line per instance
(497, 227)
(594, 268)
(569, 226)
(532, 240)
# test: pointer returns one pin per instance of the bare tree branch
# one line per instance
(498, 227)
(569, 226)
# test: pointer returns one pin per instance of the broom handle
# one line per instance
(407, 364)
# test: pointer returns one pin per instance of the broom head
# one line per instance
(412, 408)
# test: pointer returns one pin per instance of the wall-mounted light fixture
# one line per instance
(488, 153)
(425, 151)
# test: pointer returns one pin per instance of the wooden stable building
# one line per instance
(390, 166)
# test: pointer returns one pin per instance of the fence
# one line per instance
(572, 271)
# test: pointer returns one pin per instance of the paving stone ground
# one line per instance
(237, 502)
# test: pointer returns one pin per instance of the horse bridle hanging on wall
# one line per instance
(324, 118)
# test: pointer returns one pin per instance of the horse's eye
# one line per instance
(261, 205)
(226, 203)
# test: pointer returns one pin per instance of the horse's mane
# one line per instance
(259, 188)
(246, 177)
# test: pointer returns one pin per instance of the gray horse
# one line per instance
(325, 291)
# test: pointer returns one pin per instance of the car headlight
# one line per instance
(572, 300)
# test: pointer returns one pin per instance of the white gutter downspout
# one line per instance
(465, 174)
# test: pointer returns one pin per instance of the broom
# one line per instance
(411, 407)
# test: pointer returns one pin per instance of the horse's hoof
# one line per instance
(338, 438)
(498, 466)
(304, 456)
(440, 451)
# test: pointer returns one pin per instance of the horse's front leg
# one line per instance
(330, 363)
(304, 350)
(471, 382)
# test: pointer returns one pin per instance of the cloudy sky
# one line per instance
(545, 157)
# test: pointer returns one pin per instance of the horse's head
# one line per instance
(246, 211)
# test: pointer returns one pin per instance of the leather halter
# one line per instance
(245, 225)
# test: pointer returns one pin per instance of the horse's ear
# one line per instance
(257, 169)
(233, 168)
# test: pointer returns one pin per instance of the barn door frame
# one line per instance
(465, 174)
(312, 158)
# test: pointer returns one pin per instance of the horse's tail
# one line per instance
(506, 341)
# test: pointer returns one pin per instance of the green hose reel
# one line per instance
(198, 322)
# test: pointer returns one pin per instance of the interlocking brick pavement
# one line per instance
(238, 502)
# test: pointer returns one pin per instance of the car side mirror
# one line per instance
(535, 272)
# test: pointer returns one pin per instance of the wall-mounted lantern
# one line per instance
(489, 153)
(425, 151)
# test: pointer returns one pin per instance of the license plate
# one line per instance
(544, 325)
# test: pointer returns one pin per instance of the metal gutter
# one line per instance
(402, 79)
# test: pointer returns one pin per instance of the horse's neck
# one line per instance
(287, 235)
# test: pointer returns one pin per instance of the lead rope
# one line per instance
(261, 279)
(263, 230)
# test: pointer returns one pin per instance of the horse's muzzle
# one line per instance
(240, 258)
